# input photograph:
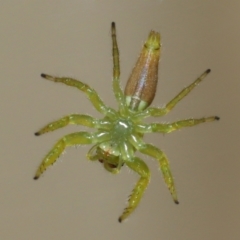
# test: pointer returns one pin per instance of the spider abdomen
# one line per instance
(142, 84)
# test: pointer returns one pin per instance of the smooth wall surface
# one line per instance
(78, 199)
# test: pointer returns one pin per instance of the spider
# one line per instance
(119, 134)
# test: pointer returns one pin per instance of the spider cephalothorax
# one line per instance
(119, 134)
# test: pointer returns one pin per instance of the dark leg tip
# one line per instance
(120, 220)
(36, 133)
(35, 178)
(43, 75)
(217, 118)
(176, 201)
(113, 24)
(208, 71)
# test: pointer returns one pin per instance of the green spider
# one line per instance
(119, 134)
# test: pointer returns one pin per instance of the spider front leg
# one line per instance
(141, 168)
(79, 138)
(156, 153)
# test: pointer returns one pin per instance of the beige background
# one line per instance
(77, 199)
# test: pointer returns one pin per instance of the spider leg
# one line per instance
(115, 53)
(139, 166)
(77, 119)
(157, 112)
(170, 127)
(79, 138)
(116, 72)
(156, 153)
(90, 92)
